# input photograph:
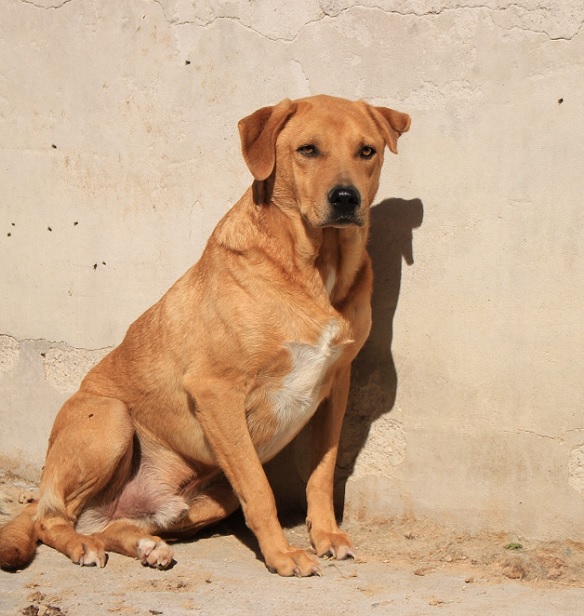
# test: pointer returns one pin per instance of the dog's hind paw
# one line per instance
(154, 553)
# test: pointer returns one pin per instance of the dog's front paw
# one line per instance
(334, 544)
(89, 553)
(153, 553)
(293, 562)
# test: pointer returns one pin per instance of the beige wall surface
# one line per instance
(119, 153)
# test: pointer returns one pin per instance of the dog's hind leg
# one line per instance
(133, 539)
(211, 505)
(90, 453)
(137, 538)
(18, 540)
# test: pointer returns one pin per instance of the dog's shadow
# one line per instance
(374, 378)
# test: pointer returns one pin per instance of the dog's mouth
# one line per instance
(330, 217)
(341, 221)
(338, 222)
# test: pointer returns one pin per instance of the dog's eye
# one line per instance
(367, 152)
(308, 150)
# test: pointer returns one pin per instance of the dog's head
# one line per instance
(322, 155)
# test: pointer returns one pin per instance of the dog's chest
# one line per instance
(300, 392)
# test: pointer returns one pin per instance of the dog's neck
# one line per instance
(336, 254)
(341, 257)
(326, 261)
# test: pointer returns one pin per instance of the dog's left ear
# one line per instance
(258, 133)
(391, 123)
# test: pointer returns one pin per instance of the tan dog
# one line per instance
(222, 373)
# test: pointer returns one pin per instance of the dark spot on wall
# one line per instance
(53, 146)
(187, 62)
(75, 223)
(90, 415)
(49, 229)
(560, 101)
(43, 354)
(9, 234)
(95, 266)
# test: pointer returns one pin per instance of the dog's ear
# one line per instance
(258, 133)
(391, 123)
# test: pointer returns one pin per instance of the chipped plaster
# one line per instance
(9, 353)
(65, 367)
(576, 469)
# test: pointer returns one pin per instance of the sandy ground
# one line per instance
(406, 567)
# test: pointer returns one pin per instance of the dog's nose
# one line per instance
(344, 199)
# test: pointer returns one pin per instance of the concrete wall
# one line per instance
(119, 152)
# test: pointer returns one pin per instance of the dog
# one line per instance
(169, 432)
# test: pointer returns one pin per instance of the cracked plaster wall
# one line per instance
(119, 152)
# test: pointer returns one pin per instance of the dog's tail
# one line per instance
(18, 540)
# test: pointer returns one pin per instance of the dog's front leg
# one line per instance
(325, 535)
(220, 409)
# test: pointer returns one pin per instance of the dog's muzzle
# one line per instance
(345, 203)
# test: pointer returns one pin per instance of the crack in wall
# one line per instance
(328, 10)
(562, 438)
(48, 5)
(50, 343)
(302, 73)
(200, 23)
(558, 439)
(526, 12)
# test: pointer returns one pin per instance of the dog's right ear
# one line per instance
(258, 133)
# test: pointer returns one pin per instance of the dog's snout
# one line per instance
(344, 198)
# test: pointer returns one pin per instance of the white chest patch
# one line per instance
(331, 280)
(297, 400)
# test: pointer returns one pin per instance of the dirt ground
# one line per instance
(404, 567)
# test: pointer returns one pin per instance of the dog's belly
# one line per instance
(297, 399)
